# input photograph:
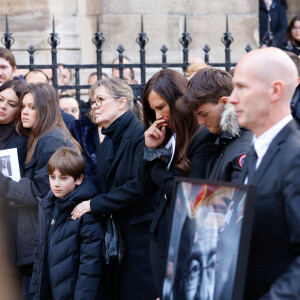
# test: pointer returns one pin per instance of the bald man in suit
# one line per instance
(264, 83)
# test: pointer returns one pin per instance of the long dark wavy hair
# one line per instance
(48, 116)
(288, 33)
(171, 85)
(6, 131)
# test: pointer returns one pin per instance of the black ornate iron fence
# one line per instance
(141, 40)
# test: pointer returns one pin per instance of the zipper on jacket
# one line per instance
(51, 231)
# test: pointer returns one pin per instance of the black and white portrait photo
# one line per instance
(204, 245)
(5, 165)
(9, 163)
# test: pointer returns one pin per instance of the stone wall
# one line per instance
(30, 22)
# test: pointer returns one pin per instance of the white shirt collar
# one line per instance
(262, 143)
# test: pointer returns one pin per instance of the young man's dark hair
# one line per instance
(208, 86)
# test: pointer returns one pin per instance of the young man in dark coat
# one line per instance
(264, 83)
(68, 262)
(207, 95)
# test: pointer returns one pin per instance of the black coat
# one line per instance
(295, 105)
(154, 176)
(9, 214)
(35, 183)
(86, 134)
(278, 21)
(274, 258)
(68, 251)
(118, 195)
(226, 155)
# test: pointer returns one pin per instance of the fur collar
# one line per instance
(229, 120)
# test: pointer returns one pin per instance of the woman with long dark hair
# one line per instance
(175, 146)
(293, 35)
(10, 94)
(39, 118)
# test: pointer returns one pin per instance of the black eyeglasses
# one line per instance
(98, 100)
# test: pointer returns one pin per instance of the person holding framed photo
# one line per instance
(38, 117)
(10, 94)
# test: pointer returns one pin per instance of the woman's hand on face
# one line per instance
(81, 209)
(155, 134)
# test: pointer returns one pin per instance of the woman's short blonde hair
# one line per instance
(115, 87)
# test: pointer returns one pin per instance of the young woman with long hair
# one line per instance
(166, 120)
(10, 94)
(293, 35)
(39, 118)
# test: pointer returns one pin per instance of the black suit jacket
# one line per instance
(274, 258)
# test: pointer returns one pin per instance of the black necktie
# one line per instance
(251, 166)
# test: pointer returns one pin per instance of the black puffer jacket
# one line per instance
(35, 183)
(71, 249)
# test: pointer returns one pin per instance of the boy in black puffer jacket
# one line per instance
(68, 263)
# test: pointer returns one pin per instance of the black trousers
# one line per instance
(158, 256)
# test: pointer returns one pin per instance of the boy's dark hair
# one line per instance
(6, 54)
(67, 161)
(208, 86)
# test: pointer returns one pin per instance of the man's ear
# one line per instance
(277, 90)
(223, 100)
(78, 181)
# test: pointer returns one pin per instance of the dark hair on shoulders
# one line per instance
(46, 104)
(288, 33)
(171, 86)
(67, 161)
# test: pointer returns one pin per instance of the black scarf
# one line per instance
(6, 132)
(113, 136)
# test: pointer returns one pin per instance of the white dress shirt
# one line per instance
(262, 143)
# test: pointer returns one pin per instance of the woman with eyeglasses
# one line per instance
(117, 159)
(292, 35)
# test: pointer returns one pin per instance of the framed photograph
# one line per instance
(9, 163)
(209, 240)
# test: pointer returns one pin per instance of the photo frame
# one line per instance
(209, 240)
(9, 163)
